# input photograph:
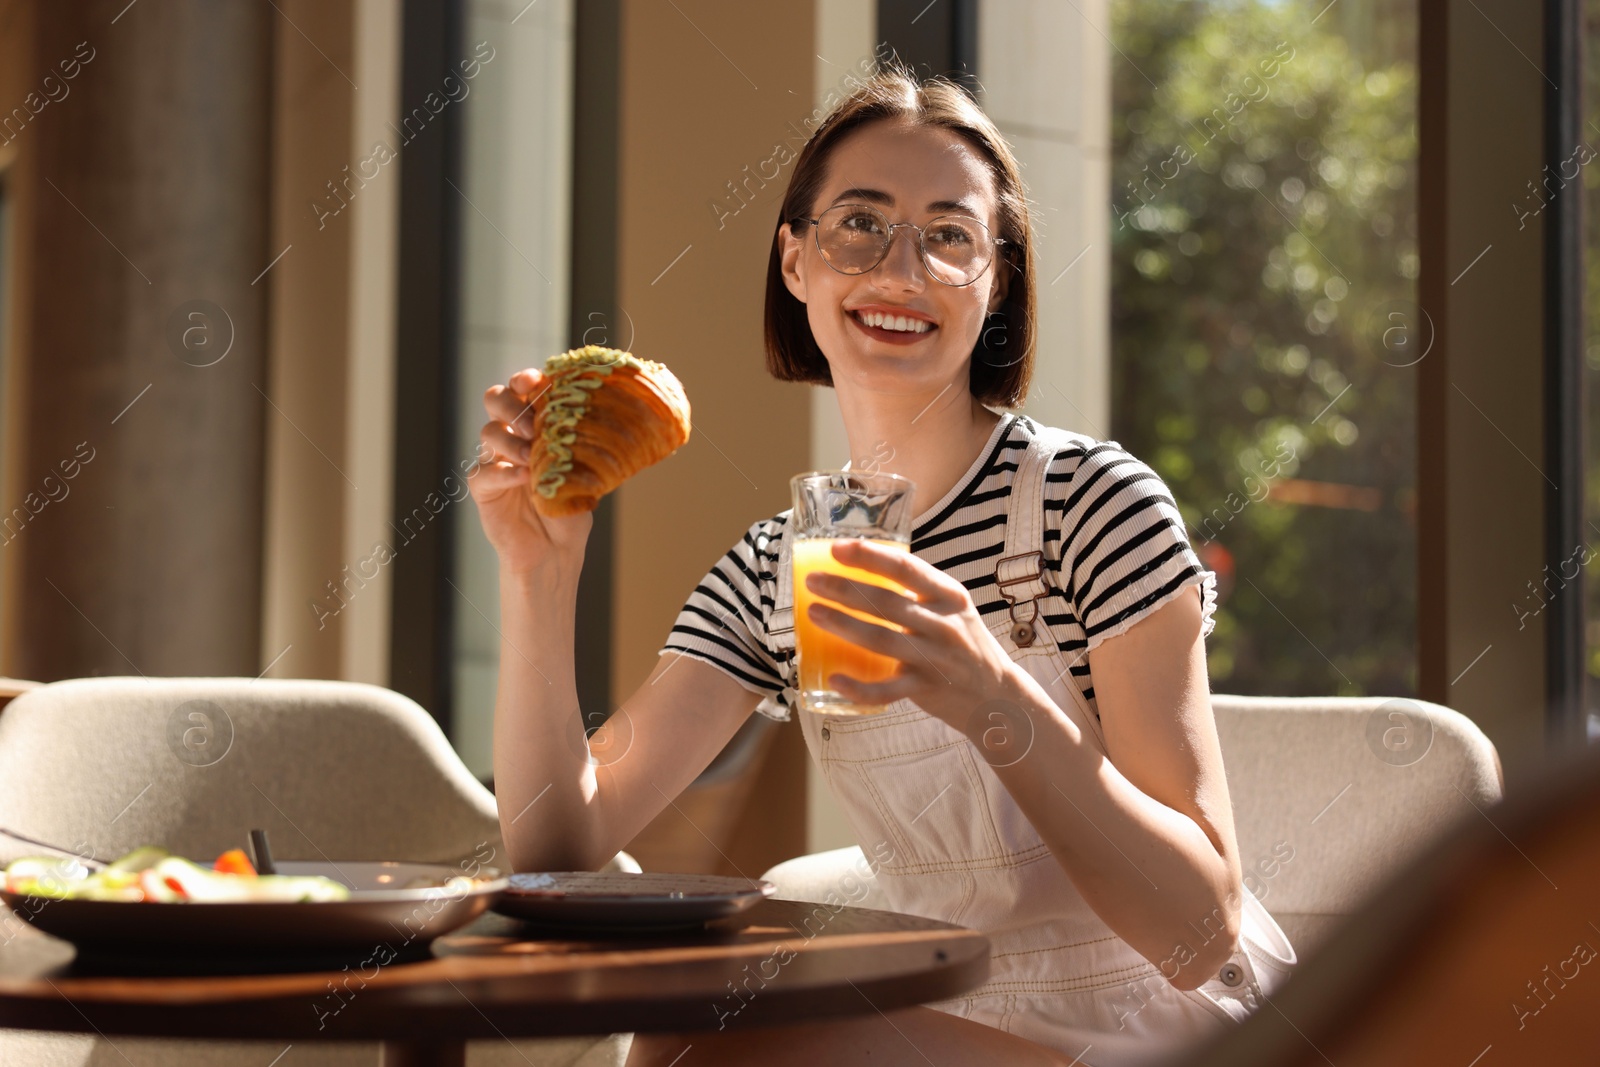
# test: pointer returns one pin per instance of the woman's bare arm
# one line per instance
(560, 807)
(1146, 835)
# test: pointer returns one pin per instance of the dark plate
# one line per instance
(405, 919)
(607, 900)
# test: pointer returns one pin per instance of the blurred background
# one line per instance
(1322, 264)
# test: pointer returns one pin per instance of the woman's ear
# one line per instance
(789, 259)
(1002, 285)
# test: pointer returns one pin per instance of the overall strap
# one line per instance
(1020, 574)
(780, 629)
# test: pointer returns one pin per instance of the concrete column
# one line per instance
(312, 578)
(329, 431)
(1046, 77)
(137, 524)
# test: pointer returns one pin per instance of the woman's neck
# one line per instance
(931, 439)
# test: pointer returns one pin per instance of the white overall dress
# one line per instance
(960, 850)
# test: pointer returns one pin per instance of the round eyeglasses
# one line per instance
(855, 238)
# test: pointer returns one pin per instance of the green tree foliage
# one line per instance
(1264, 257)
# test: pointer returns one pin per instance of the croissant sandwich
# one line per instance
(604, 416)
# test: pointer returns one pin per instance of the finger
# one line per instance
(505, 444)
(493, 478)
(926, 583)
(875, 599)
(504, 405)
(868, 635)
(527, 382)
(483, 454)
(885, 692)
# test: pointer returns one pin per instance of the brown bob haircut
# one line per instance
(1002, 360)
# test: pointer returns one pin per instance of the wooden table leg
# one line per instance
(422, 1054)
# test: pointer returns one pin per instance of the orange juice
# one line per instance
(822, 652)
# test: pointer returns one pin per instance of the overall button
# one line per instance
(1231, 975)
(1022, 634)
(825, 733)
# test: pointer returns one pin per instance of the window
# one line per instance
(515, 193)
(1264, 324)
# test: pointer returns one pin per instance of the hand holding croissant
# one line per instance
(558, 440)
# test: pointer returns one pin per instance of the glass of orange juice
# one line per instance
(830, 506)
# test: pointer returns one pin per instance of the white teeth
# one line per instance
(898, 323)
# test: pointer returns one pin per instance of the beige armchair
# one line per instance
(328, 769)
(1331, 796)
(1354, 788)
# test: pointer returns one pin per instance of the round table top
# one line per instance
(793, 961)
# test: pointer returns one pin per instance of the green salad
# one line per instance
(153, 874)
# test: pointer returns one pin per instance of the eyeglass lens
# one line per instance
(854, 238)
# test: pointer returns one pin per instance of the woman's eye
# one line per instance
(861, 222)
(949, 237)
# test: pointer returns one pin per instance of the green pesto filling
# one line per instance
(569, 400)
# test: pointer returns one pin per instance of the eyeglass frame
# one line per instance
(922, 249)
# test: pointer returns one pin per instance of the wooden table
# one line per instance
(793, 962)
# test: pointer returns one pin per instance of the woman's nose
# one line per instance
(902, 264)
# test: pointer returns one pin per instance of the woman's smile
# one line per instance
(891, 324)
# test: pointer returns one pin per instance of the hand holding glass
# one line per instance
(830, 506)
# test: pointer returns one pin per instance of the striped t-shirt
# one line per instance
(1106, 513)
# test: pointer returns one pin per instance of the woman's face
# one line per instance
(910, 174)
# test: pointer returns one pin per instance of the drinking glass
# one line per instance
(831, 506)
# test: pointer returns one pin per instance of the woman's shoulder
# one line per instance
(765, 534)
(757, 550)
(1119, 535)
(1076, 452)
(1093, 485)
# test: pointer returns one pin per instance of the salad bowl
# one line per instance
(393, 909)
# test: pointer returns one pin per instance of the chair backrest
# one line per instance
(1480, 942)
(329, 769)
(1332, 795)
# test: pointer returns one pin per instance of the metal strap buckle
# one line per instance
(1036, 575)
(1023, 630)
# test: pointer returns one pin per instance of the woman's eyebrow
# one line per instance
(871, 196)
(954, 205)
(878, 196)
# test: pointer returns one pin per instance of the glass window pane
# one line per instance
(516, 163)
(1264, 325)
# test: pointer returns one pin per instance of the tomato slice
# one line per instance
(234, 861)
(158, 889)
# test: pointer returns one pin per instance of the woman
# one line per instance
(1048, 770)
